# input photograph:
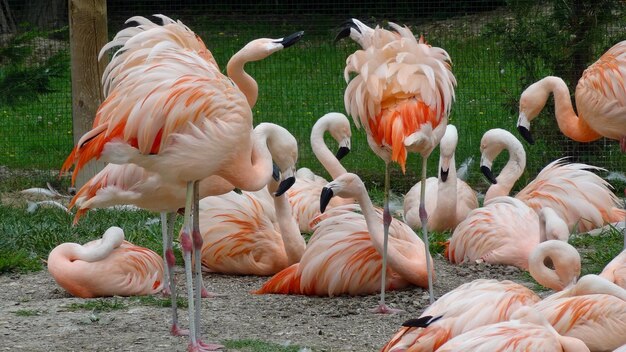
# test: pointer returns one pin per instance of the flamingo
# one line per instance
(109, 266)
(172, 112)
(471, 305)
(527, 330)
(305, 193)
(402, 95)
(449, 199)
(615, 271)
(344, 254)
(579, 196)
(600, 101)
(240, 238)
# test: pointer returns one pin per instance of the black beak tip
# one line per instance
(526, 134)
(325, 197)
(345, 28)
(275, 172)
(488, 174)
(444, 175)
(284, 186)
(341, 152)
(421, 322)
(291, 39)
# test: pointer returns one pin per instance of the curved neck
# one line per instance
(565, 259)
(258, 169)
(510, 173)
(445, 210)
(90, 253)
(414, 272)
(245, 82)
(323, 154)
(292, 239)
(569, 123)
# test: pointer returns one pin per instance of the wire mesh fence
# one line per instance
(497, 48)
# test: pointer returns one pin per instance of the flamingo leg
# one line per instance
(382, 306)
(187, 246)
(196, 238)
(424, 221)
(167, 226)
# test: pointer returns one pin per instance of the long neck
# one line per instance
(510, 173)
(414, 272)
(89, 253)
(323, 154)
(292, 239)
(446, 198)
(245, 82)
(569, 123)
(254, 173)
(566, 263)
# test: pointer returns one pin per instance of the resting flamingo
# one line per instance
(580, 197)
(449, 199)
(615, 271)
(109, 266)
(174, 113)
(600, 101)
(344, 254)
(527, 330)
(240, 238)
(305, 193)
(402, 95)
(467, 307)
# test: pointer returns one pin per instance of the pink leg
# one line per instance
(170, 261)
(622, 144)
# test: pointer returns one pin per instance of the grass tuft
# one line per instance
(27, 312)
(249, 345)
(160, 302)
(100, 305)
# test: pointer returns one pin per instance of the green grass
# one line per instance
(27, 312)
(100, 305)
(598, 251)
(259, 346)
(153, 301)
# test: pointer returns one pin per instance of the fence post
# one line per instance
(88, 33)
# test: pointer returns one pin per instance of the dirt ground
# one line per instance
(34, 315)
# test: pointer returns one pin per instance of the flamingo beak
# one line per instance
(290, 39)
(421, 322)
(526, 134)
(444, 174)
(488, 174)
(275, 172)
(325, 196)
(345, 29)
(288, 180)
(341, 152)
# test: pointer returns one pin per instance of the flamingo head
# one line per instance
(347, 185)
(339, 129)
(283, 147)
(447, 147)
(261, 48)
(531, 102)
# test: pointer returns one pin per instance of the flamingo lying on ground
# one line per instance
(344, 254)
(174, 113)
(401, 94)
(600, 101)
(108, 266)
(615, 271)
(240, 238)
(527, 330)
(449, 199)
(580, 197)
(304, 195)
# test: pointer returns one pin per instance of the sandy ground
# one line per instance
(35, 315)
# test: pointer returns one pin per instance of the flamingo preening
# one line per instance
(109, 266)
(448, 199)
(600, 101)
(344, 254)
(170, 110)
(401, 94)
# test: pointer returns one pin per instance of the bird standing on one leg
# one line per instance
(402, 95)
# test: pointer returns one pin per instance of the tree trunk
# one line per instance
(7, 22)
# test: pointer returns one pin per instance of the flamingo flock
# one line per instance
(179, 134)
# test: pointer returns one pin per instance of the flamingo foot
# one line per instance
(166, 291)
(384, 309)
(176, 331)
(204, 347)
(204, 293)
(622, 144)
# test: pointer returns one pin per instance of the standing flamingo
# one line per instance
(527, 330)
(108, 266)
(449, 199)
(240, 238)
(344, 254)
(305, 193)
(471, 305)
(168, 113)
(402, 95)
(579, 196)
(600, 101)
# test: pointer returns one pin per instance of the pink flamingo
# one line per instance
(174, 113)
(600, 101)
(615, 271)
(469, 306)
(344, 254)
(579, 196)
(108, 266)
(305, 193)
(527, 330)
(401, 94)
(240, 238)
(448, 199)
